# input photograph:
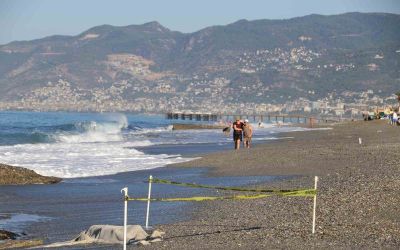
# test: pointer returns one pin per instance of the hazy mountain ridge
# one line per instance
(305, 57)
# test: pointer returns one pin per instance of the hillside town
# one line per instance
(138, 88)
(61, 96)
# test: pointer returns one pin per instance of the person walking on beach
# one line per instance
(390, 116)
(247, 133)
(395, 118)
(237, 132)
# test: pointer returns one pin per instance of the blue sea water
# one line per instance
(71, 145)
(97, 155)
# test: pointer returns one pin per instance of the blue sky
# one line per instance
(31, 19)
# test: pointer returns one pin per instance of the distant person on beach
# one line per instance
(395, 118)
(237, 132)
(247, 133)
(390, 116)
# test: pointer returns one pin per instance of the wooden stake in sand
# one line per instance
(148, 202)
(125, 190)
(315, 204)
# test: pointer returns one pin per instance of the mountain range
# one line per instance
(261, 61)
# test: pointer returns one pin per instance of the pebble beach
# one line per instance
(357, 201)
(357, 198)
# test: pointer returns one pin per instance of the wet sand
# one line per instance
(358, 194)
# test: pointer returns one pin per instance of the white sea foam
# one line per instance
(92, 149)
(90, 136)
(68, 160)
(108, 146)
(143, 131)
(107, 131)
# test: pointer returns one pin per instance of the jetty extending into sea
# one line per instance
(292, 118)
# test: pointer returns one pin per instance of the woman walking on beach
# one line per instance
(247, 133)
(237, 133)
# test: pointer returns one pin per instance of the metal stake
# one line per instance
(315, 204)
(148, 202)
(125, 190)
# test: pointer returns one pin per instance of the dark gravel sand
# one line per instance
(358, 198)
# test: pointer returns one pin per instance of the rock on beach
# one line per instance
(10, 175)
(6, 235)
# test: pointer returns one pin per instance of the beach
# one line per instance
(97, 155)
(357, 202)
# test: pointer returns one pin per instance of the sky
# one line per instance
(33, 19)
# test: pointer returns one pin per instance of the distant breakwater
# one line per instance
(178, 126)
(292, 118)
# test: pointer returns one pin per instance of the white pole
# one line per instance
(125, 190)
(148, 202)
(359, 140)
(315, 204)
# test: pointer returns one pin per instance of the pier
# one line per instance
(270, 118)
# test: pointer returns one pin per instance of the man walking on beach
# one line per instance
(247, 133)
(237, 132)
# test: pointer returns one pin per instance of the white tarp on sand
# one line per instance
(110, 234)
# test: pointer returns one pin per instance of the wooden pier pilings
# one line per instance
(194, 116)
(284, 118)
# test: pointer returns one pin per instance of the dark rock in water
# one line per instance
(5, 216)
(226, 130)
(10, 175)
(6, 235)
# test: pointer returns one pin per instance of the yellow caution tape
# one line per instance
(303, 193)
(204, 198)
(290, 192)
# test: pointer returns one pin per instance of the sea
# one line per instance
(71, 145)
(98, 154)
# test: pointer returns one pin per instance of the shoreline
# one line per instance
(357, 196)
(349, 189)
(69, 186)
